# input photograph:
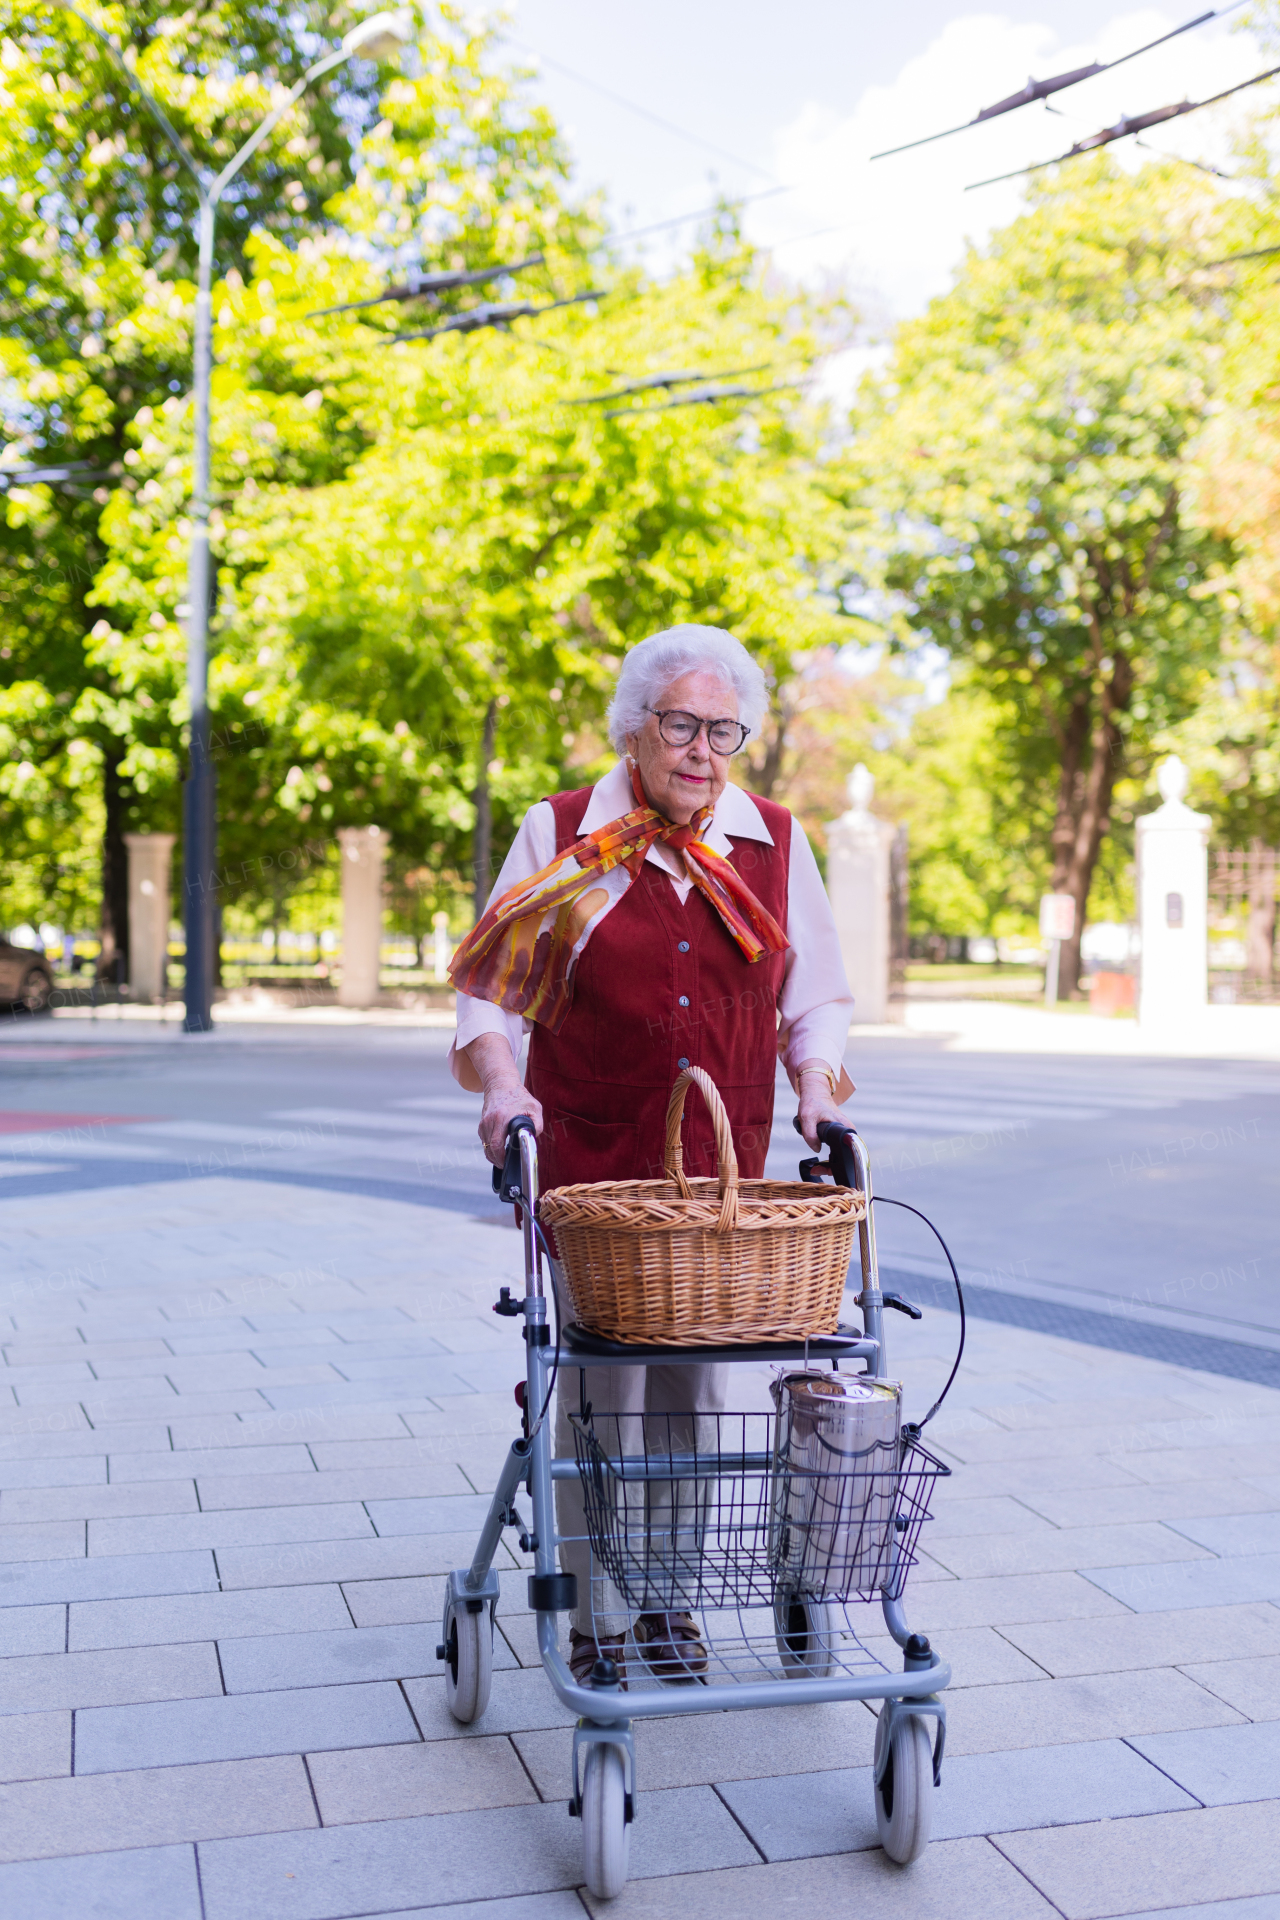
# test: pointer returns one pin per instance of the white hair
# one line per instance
(649, 669)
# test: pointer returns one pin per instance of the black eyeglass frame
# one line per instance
(662, 714)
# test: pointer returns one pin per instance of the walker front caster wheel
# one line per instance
(904, 1796)
(606, 1832)
(805, 1630)
(468, 1655)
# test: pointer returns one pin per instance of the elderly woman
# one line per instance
(660, 919)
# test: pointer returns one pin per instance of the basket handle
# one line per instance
(726, 1158)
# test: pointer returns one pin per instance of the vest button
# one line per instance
(682, 1063)
(684, 999)
(683, 947)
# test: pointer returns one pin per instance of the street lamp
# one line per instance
(376, 38)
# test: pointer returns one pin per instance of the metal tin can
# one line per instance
(835, 1475)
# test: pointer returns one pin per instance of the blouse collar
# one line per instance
(736, 816)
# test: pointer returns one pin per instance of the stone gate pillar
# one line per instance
(363, 852)
(1173, 903)
(149, 859)
(859, 881)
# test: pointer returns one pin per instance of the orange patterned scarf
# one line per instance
(523, 952)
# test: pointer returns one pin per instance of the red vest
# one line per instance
(660, 986)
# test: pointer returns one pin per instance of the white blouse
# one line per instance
(815, 1005)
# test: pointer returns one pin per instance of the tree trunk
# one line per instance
(483, 842)
(1066, 818)
(113, 963)
(1092, 817)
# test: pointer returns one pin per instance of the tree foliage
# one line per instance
(1026, 455)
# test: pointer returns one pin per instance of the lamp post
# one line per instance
(375, 38)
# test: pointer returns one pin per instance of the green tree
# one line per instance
(95, 336)
(1027, 454)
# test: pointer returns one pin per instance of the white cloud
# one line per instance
(899, 226)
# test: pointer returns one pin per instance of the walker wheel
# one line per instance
(904, 1797)
(606, 1831)
(468, 1653)
(805, 1630)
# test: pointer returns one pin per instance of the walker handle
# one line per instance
(506, 1178)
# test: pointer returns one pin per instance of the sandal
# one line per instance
(584, 1651)
(672, 1645)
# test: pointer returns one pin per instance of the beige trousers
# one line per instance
(627, 1392)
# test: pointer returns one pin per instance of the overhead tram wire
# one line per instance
(1042, 89)
(425, 286)
(490, 313)
(656, 119)
(1124, 128)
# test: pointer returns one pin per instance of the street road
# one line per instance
(1146, 1189)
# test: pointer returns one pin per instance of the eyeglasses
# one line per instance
(724, 737)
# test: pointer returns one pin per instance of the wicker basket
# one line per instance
(697, 1263)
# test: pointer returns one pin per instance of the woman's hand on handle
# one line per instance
(816, 1101)
(505, 1094)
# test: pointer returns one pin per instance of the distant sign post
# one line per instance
(1057, 923)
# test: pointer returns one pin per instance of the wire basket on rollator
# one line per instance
(707, 1510)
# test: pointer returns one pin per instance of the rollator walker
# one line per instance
(765, 1525)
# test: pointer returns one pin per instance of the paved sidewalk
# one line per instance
(246, 1428)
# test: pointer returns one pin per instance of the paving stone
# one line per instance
(339, 1456)
(1263, 1906)
(686, 1751)
(980, 1794)
(1041, 1713)
(42, 1681)
(521, 1701)
(1150, 1639)
(35, 1746)
(205, 1616)
(1050, 1550)
(459, 1513)
(107, 1578)
(40, 1540)
(333, 1659)
(271, 1427)
(480, 1855)
(1119, 1506)
(345, 1560)
(997, 1513)
(226, 1461)
(106, 1811)
(110, 1886)
(32, 1630)
(977, 1656)
(1202, 1583)
(394, 1603)
(255, 1526)
(79, 1470)
(1251, 1686)
(181, 1732)
(1221, 1766)
(395, 1783)
(1121, 1866)
(952, 1880)
(525, 1906)
(328, 1487)
(1081, 1415)
(42, 1436)
(933, 1606)
(1230, 1534)
(99, 1502)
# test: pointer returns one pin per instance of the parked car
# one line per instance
(25, 979)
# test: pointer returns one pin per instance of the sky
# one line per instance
(755, 97)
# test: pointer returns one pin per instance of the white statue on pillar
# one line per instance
(858, 881)
(1173, 902)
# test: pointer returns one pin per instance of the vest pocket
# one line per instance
(584, 1150)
